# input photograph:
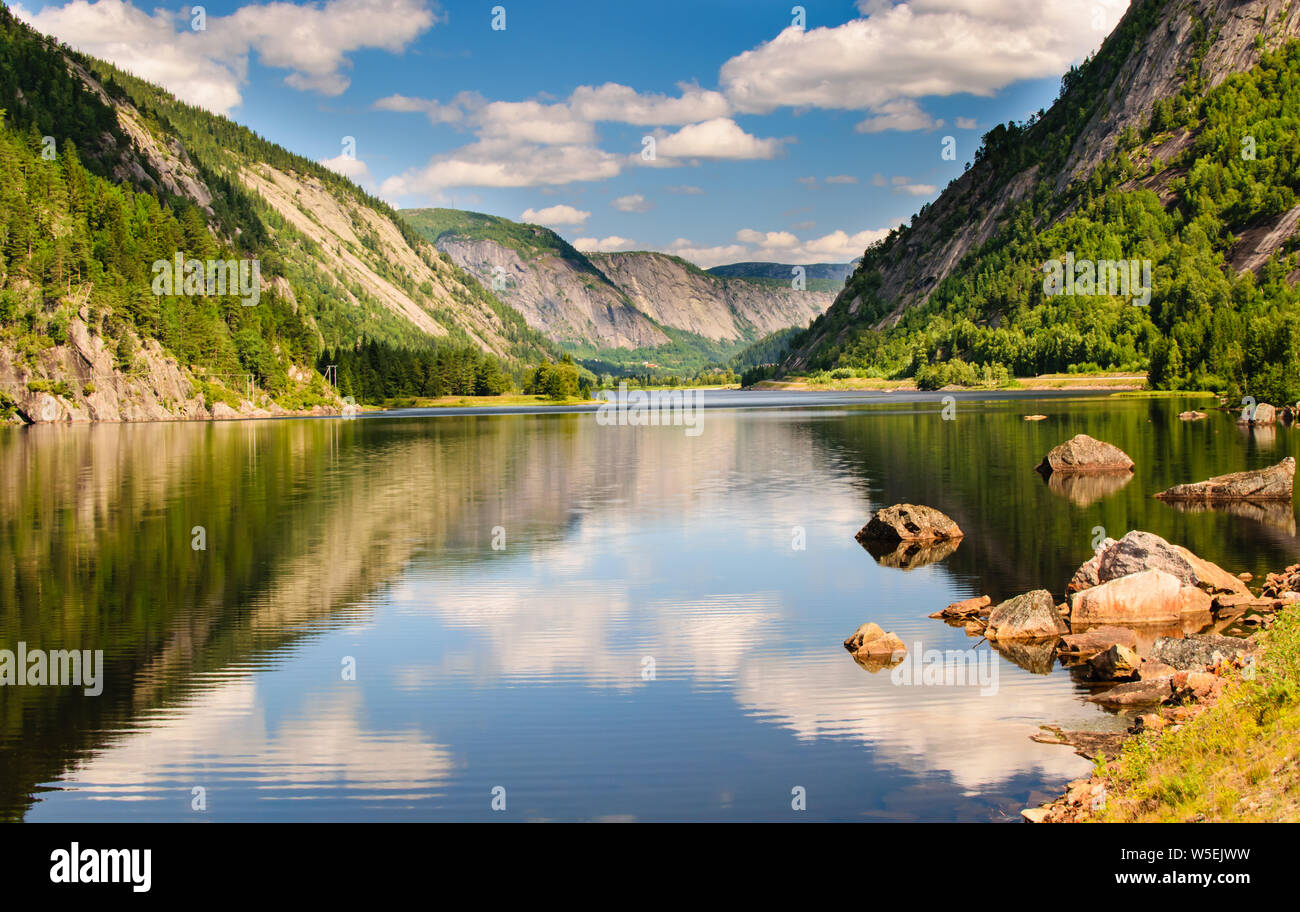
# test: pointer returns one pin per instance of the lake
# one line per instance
(421, 615)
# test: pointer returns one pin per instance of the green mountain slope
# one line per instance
(1177, 147)
(104, 176)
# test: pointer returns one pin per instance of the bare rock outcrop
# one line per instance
(1273, 483)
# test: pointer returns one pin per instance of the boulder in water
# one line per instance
(1082, 453)
(1274, 483)
(909, 522)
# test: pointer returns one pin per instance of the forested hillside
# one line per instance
(102, 176)
(1202, 189)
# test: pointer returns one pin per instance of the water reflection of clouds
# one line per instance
(221, 739)
(590, 632)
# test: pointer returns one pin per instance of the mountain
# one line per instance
(559, 291)
(105, 180)
(596, 304)
(1175, 146)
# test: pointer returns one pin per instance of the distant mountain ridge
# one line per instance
(603, 301)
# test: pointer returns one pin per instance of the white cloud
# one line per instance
(917, 189)
(208, 68)
(965, 123)
(632, 203)
(504, 163)
(623, 104)
(685, 190)
(532, 121)
(841, 179)
(604, 245)
(707, 257)
(717, 138)
(555, 215)
(436, 111)
(781, 247)
(351, 167)
(913, 50)
(901, 114)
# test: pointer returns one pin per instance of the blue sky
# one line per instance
(797, 141)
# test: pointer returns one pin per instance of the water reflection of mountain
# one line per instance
(301, 520)
(1021, 535)
(307, 520)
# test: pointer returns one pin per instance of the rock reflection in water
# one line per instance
(908, 555)
(1086, 489)
(1277, 514)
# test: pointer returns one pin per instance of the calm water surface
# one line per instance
(648, 641)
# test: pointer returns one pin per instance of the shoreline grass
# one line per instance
(1238, 761)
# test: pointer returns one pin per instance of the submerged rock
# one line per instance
(1274, 483)
(1191, 416)
(909, 522)
(871, 640)
(1082, 453)
(1087, 744)
(1030, 616)
(1149, 597)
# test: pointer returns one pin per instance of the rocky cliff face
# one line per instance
(1156, 48)
(621, 300)
(571, 305)
(674, 293)
(90, 386)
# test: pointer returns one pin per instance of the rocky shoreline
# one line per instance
(79, 382)
(1209, 668)
(1154, 629)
